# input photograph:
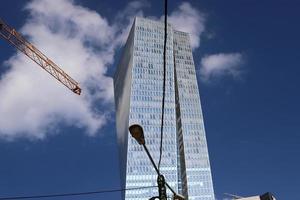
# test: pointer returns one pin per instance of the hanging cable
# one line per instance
(72, 194)
(164, 86)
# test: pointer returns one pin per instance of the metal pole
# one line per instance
(160, 179)
(158, 173)
(162, 191)
(151, 159)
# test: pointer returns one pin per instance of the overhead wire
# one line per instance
(164, 85)
(72, 194)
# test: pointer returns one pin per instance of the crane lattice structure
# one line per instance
(15, 38)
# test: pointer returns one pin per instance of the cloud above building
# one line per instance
(189, 20)
(222, 64)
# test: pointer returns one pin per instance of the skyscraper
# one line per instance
(138, 86)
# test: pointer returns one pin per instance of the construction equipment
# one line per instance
(15, 38)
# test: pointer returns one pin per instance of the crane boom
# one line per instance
(15, 38)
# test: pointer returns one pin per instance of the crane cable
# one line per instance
(72, 194)
(164, 85)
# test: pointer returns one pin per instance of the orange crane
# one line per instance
(15, 38)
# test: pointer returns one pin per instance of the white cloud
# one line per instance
(217, 65)
(79, 40)
(190, 20)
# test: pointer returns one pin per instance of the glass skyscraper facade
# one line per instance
(138, 86)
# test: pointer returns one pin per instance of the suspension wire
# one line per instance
(72, 194)
(164, 86)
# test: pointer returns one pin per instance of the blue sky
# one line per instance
(247, 58)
